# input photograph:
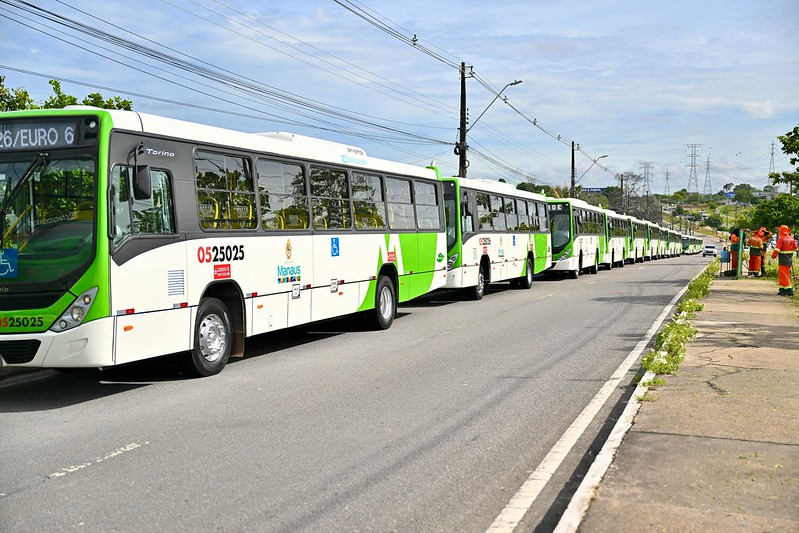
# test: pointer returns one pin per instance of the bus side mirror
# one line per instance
(142, 183)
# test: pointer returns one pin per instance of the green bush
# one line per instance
(670, 343)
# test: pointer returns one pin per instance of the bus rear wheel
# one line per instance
(213, 339)
(385, 304)
(526, 281)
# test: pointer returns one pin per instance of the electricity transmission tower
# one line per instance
(666, 189)
(776, 189)
(708, 186)
(693, 155)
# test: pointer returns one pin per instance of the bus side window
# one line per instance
(467, 221)
(330, 199)
(367, 197)
(511, 215)
(524, 219)
(427, 212)
(543, 217)
(153, 216)
(484, 212)
(284, 200)
(535, 219)
(121, 184)
(225, 193)
(400, 204)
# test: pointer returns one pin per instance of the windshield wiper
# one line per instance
(40, 160)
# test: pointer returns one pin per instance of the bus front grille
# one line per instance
(18, 352)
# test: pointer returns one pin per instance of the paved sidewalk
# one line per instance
(718, 448)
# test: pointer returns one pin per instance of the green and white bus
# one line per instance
(691, 244)
(638, 240)
(578, 235)
(617, 231)
(495, 233)
(675, 243)
(128, 236)
(654, 250)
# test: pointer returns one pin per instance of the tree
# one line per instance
(784, 209)
(790, 147)
(16, 99)
(714, 221)
(12, 99)
(744, 193)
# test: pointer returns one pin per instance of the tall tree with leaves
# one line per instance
(790, 147)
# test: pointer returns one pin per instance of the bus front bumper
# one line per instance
(89, 345)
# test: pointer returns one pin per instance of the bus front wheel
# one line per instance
(478, 291)
(213, 339)
(385, 304)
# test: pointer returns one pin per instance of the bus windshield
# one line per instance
(48, 220)
(560, 227)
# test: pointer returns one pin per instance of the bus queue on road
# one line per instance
(127, 236)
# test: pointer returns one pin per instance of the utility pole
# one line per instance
(461, 148)
(646, 167)
(574, 184)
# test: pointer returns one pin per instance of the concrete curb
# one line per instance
(581, 500)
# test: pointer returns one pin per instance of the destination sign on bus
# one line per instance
(36, 135)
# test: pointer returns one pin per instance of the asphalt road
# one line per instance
(433, 424)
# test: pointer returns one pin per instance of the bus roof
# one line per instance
(282, 143)
(497, 187)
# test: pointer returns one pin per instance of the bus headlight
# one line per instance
(451, 261)
(566, 254)
(76, 312)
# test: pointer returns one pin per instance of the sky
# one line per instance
(639, 86)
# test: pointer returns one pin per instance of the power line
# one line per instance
(277, 98)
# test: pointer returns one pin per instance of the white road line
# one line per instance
(574, 514)
(119, 451)
(520, 503)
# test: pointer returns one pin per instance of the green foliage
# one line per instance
(690, 307)
(13, 99)
(669, 350)
(784, 209)
(714, 221)
(17, 99)
(790, 147)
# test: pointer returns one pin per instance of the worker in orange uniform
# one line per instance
(755, 243)
(766, 236)
(735, 246)
(785, 249)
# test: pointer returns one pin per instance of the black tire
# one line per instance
(594, 269)
(574, 274)
(526, 281)
(382, 316)
(478, 291)
(213, 340)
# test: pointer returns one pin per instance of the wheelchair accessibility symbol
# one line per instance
(8, 262)
(334, 249)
